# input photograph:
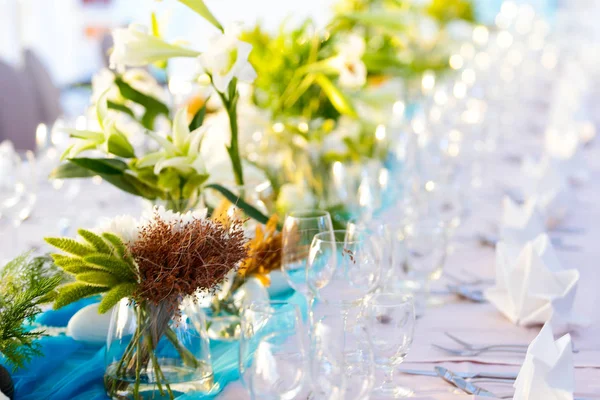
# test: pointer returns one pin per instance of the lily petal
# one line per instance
(181, 131)
(180, 163)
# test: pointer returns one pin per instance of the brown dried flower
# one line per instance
(178, 258)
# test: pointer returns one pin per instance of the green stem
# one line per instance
(187, 357)
(138, 362)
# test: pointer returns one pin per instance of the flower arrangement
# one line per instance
(155, 263)
(172, 168)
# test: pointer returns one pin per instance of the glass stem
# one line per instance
(389, 379)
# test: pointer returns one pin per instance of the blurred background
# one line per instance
(60, 44)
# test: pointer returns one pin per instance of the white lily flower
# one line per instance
(110, 139)
(182, 152)
(227, 58)
(134, 46)
(351, 68)
(171, 217)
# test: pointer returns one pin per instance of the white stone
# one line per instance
(87, 325)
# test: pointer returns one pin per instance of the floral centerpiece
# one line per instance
(171, 167)
(154, 268)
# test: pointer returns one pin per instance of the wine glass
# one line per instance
(342, 360)
(299, 229)
(390, 320)
(273, 361)
(352, 270)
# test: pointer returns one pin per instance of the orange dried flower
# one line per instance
(264, 252)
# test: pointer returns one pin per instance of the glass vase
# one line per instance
(157, 352)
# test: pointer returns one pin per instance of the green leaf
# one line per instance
(101, 166)
(95, 240)
(115, 295)
(153, 106)
(116, 243)
(198, 118)
(193, 184)
(120, 146)
(336, 96)
(199, 7)
(70, 170)
(120, 107)
(72, 292)
(249, 210)
(70, 246)
(98, 278)
(169, 181)
(113, 265)
(140, 188)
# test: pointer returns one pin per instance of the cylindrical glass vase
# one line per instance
(156, 351)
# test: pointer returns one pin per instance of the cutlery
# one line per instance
(464, 375)
(474, 295)
(473, 353)
(470, 346)
(461, 383)
(489, 240)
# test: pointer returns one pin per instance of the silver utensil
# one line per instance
(470, 346)
(461, 383)
(473, 353)
(465, 292)
(464, 375)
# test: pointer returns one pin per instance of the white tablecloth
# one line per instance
(66, 209)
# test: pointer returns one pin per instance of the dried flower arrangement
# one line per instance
(156, 263)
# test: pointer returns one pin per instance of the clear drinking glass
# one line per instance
(352, 270)
(342, 360)
(390, 321)
(273, 358)
(299, 229)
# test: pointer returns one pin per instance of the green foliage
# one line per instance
(451, 10)
(25, 284)
(105, 267)
(115, 294)
(153, 106)
(198, 118)
(248, 209)
(284, 84)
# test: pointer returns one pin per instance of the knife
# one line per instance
(462, 384)
(464, 375)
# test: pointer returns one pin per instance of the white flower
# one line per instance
(295, 197)
(227, 58)
(110, 139)
(182, 152)
(352, 70)
(170, 217)
(134, 46)
(124, 226)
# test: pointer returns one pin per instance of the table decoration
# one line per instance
(176, 170)
(149, 269)
(532, 287)
(548, 371)
(546, 185)
(520, 223)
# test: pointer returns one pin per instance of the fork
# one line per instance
(473, 353)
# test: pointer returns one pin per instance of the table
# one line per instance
(57, 213)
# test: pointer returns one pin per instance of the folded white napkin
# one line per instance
(520, 223)
(532, 287)
(563, 149)
(547, 185)
(548, 371)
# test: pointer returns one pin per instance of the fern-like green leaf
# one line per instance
(98, 278)
(115, 295)
(95, 240)
(72, 292)
(70, 246)
(116, 243)
(113, 265)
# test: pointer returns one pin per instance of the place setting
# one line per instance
(339, 200)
